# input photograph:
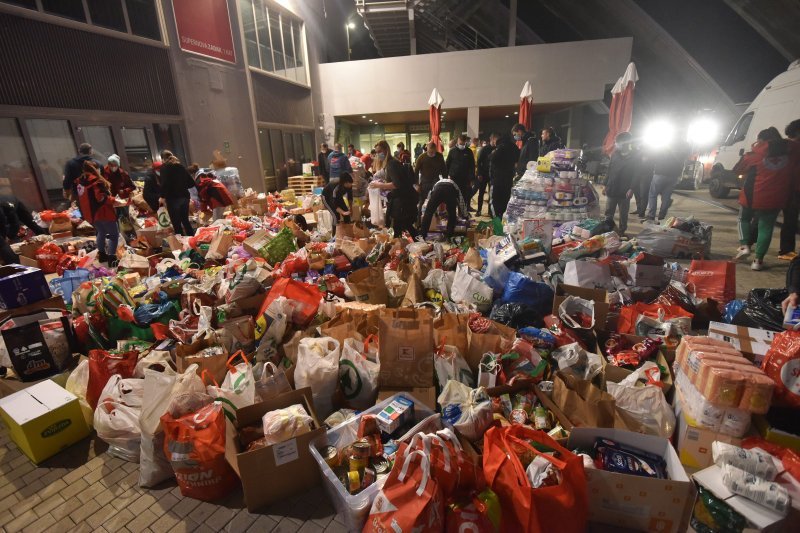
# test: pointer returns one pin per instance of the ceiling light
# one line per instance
(506, 116)
(351, 25)
(516, 112)
(370, 120)
(363, 116)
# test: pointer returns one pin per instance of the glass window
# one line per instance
(266, 152)
(107, 13)
(277, 42)
(143, 18)
(30, 4)
(249, 24)
(308, 147)
(299, 154)
(168, 137)
(101, 140)
(299, 51)
(16, 174)
(53, 146)
(288, 47)
(262, 28)
(276, 143)
(140, 157)
(288, 146)
(66, 8)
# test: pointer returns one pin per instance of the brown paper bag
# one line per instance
(452, 329)
(368, 286)
(186, 354)
(588, 406)
(406, 347)
(473, 259)
(415, 293)
(344, 230)
(360, 231)
(238, 334)
(497, 340)
(350, 323)
(351, 249)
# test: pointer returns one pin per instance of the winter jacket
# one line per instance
(367, 160)
(554, 143)
(335, 196)
(501, 163)
(461, 166)
(322, 163)
(175, 181)
(452, 189)
(94, 199)
(152, 190)
(624, 171)
(528, 152)
(229, 177)
(768, 179)
(212, 193)
(430, 168)
(483, 160)
(121, 183)
(338, 163)
(670, 162)
(73, 170)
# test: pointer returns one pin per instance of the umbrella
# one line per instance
(619, 116)
(434, 117)
(526, 106)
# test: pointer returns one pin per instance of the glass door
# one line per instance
(16, 173)
(53, 145)
(138, 151)
(101, 139)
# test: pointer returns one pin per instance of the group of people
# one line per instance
(415, 191)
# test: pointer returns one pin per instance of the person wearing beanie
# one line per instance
(120, 180)
(97, 208)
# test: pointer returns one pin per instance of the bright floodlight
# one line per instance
(351, 25)
(659, 134)
(702, 131)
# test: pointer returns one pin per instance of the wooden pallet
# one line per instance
(304, 184)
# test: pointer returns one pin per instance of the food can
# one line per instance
(518, 416)
(353, 481)
(331, 456)
(368, 479)
(382, 467)
(375, 444)
(357, 462)
(361, 448)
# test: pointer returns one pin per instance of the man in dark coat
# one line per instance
(530, 147)
(501, 172)
(624, 172)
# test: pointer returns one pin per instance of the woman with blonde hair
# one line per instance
(391, 175)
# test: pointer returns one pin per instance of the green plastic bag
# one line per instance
(280, 246)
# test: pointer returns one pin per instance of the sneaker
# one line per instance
(788, 256)
(758, 264)
(741, 252)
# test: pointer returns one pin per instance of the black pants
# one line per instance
(480, 187)
(642, 195)
(500, 198)
(16, 212)
(466, 191)
(446, 196)
(789, 228)
(178, 209)
(424, 190)
(6, 253)
(403, 211)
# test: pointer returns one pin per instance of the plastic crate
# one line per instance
(354, 508)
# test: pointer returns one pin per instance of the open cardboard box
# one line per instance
(615, 374)
(753, 343)
(281, 470)
(598, 296)
(641, 503)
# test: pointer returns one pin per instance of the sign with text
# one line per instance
(204, 28)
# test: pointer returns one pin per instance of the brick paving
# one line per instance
(84, 489)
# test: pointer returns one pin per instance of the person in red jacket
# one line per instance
(97, 207)
(214, 196)
(769, 170)
(118, 178)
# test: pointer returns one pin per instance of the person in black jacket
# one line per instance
(445, 191)
(550, 141)
(461, 167)
(175, 184)
(667, 169)
(530, 147)
(624, 170)
(338, 199)
(322, 162)
(792, 284)
(152, 189)
(74, 170)
(484, 153)
(501, 172)
(402, 207)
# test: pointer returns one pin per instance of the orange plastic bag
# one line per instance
(782, 364)
(48, 257)
(713, 279)
(49, 215)
(103, 365)
(194, 444)
(563, 507)
(630, 313)
(304, 299)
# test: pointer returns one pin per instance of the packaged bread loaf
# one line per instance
(689, 343)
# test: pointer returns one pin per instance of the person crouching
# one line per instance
(97, 207)
(338, 197)
(214, 196)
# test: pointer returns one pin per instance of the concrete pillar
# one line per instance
(575, 135)
(412, 34)
(473, 121)
(512, 23)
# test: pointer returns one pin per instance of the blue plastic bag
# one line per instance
(731, 309)
(521, 289)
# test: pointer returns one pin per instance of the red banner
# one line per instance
(204, 28)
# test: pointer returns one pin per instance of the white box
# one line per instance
(585, 273)
(753, 343)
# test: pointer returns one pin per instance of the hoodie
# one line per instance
(338, 163)
(121, 183)
(769, 175)
(528, 152)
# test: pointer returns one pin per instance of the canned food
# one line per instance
(361, 448)
(382, 467)
(518, 416)
(368, 479)
(353, 481)
(331, 456)
(357, 462)
(375, 444)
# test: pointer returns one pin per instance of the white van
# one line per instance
(776, 105)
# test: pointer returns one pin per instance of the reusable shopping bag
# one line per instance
(629, 314)
(318, 367)
(103, 365)
(238, 390)
(116, 418)
(468, 288)
(713, 279)
(303, 299)
(359, 369)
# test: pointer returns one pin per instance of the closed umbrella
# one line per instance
(621, 112)
(434, 117)
(526, 106)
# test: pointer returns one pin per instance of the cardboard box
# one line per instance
(218, 248)
(598, 296)
(634, 502)
(587, 273)
(43, 420)
(53, 302)
(275, 472)
(22, 285)
(150, 236)
(760, 518)
(60, 226)
(425, 395)
(780, 426)
(753, 343)
(11, 384)
(256, 242)
(61, 235)
(646, 275)
(693, 444)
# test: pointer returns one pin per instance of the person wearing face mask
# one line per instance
(482, 181)
(529, 150)
(394, 177)
(430, 166)
(152, 186)
(624, 170)
(461, 167)
(121, 183)
(502, 161)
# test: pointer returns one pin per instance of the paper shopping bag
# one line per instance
(368, 285)
(406, 347)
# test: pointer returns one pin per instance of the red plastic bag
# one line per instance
(304, 299)
(713, 279)
(49, 215)
(67, 262)
(563, 507)
(789, 458)
(293, 265)
(204, 235)
(782, 364)
(48, 257)
(195, 447)
(103, 365)
(630, 313)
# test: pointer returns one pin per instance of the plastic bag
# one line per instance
(116, 418)
(573, 359)
(467, 410)
(468, 288)
(283, 424)
(497, 272)
(732, 308)
(238, 389)
(270, 381)
(77, 383)
(781, 364)
(449, 364)
(359, 368)
(517, 315)
(647, 404)
(162, 216)
(376, 210)
(439, 281)
(762, 310)
(522, 289)
(318, 367)
(281, 246)
(577, 313)
(103, 365)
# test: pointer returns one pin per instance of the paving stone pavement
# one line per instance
(84, 489)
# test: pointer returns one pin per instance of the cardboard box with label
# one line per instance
(256, 244)
(753, 343)
(275, 472)
(634, 502)
(22, 285)
(693, 444)
(43, 420)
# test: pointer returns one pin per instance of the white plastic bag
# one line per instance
(283, 424)
(318, 367)
(157, 359)
(359, 368)
(467, 410)
(573, 305)
(116, 418)
(645, 404)
(468, 288)
(238, 389)
(497, 272)
(159, 390)
(162, 215)
(324, 222)
(575, 360)
(439, 280)
(77, 383)
(376, 214)
(450, 364)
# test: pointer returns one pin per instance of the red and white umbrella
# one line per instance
(434, 117)
(526, 106)
(621, 112)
